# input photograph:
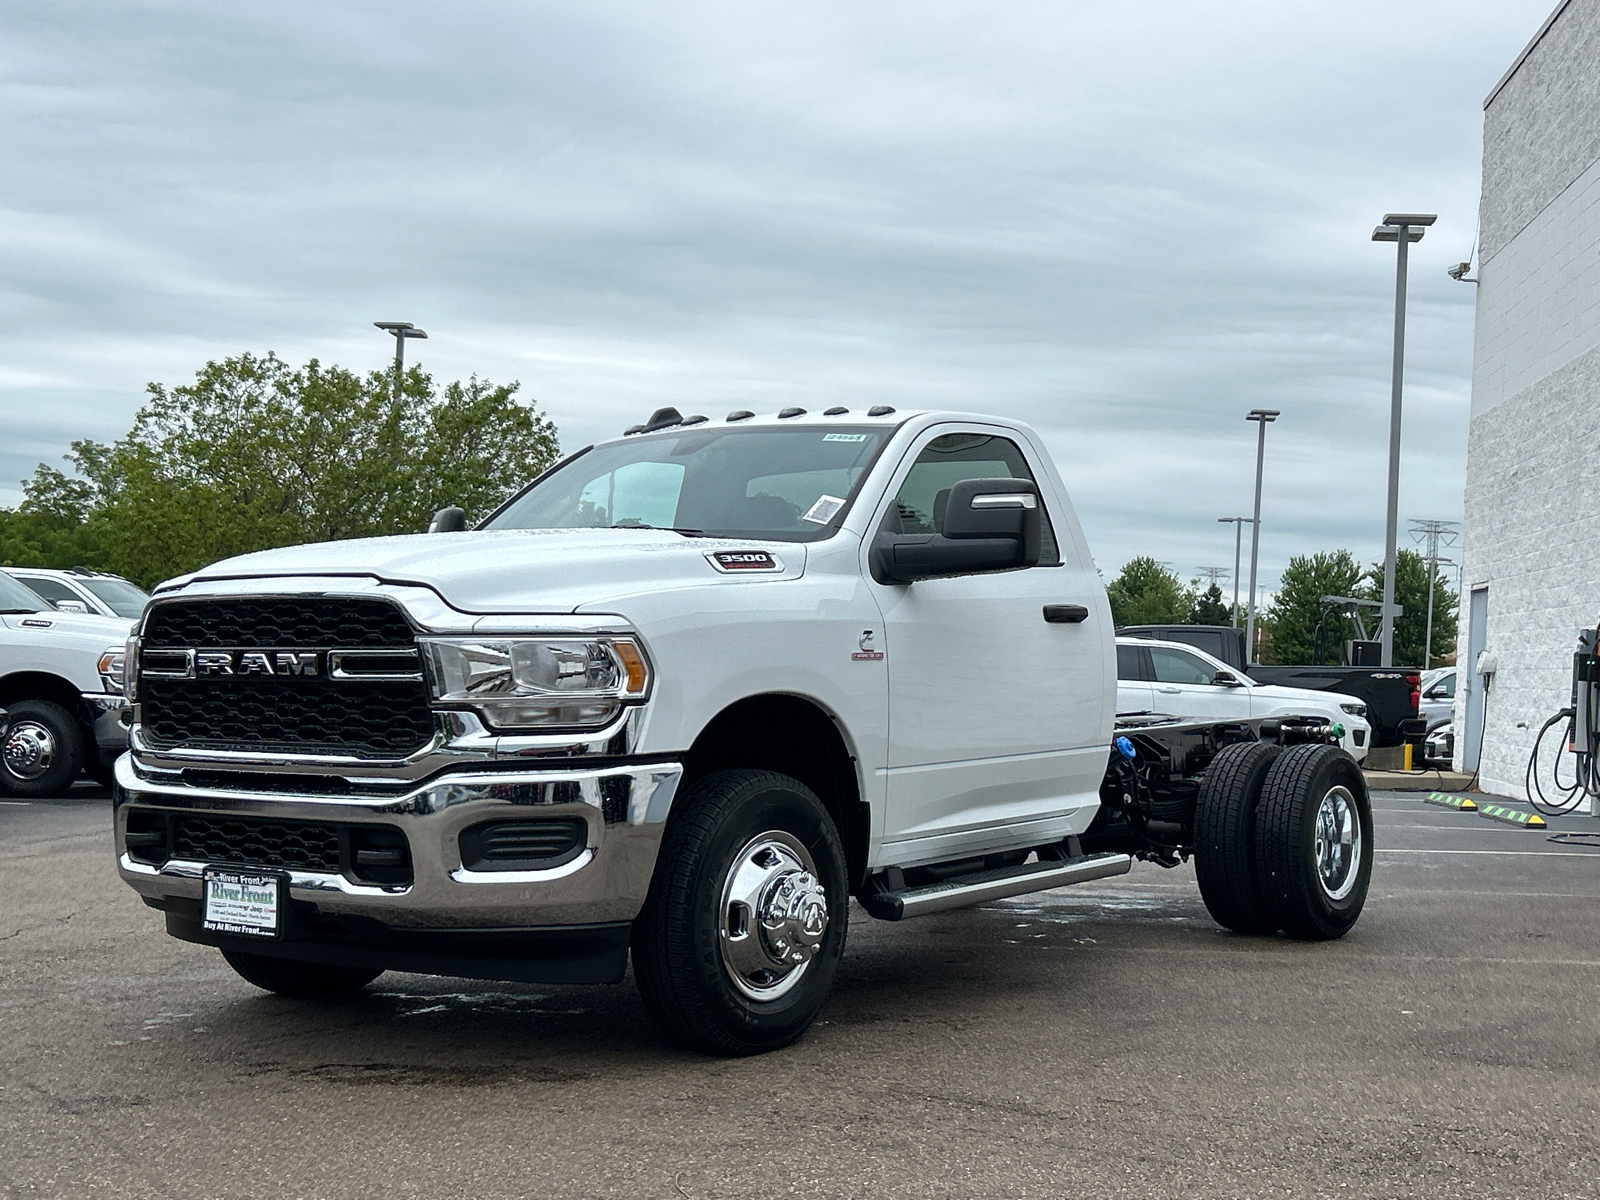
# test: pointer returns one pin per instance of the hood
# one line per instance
(105, 631)
(1329, 701)
(520, 570)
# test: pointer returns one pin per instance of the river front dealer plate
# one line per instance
(243, 902)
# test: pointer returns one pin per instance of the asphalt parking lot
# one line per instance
(1097, 1041)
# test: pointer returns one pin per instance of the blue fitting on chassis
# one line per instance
(1125, 748)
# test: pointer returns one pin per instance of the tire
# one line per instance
(43, 750)
(299, 980)
(742, 846)
(1225, 837)
(1314, 885)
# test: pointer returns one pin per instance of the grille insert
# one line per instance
(523, 845)
(304, 845)
(308, 623)
(374, 854)
(365, 720)
(368, 719)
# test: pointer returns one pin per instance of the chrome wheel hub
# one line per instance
(1338, 843)
(774, 916)
(30, 750)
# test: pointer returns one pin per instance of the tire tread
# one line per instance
(1224, 835)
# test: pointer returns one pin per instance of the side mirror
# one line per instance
(1434, 693)
(1227, 679)
(988, 525)
(448, 520)
(72, 606)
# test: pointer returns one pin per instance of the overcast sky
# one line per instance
(1126, 223)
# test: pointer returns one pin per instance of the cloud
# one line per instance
(1126, 224)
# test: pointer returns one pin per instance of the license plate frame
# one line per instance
(243, 901)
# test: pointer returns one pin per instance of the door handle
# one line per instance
(1171, 691)
(1065, 614)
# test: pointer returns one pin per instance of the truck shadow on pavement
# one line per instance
(957, 970)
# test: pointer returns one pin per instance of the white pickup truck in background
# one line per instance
(681, 699)
(61, 681)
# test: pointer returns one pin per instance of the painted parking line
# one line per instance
(1503, 853)
(15, 803)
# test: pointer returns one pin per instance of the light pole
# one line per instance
(1263, 417)
(1238, 524)
(1401, 229)
(401, 331)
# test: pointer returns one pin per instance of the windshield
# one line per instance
(791, 485)
(18, 597)
(120, 596)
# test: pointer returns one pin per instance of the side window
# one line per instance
(1449, 683)
(945, 462)
(55, 591)
(1174, 666)
(1128, 665)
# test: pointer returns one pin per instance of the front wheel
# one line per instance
(738, 943)
(43, 750)
(299, 980)
(1314, 842)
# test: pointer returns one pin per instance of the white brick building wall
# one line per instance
(1532, 514)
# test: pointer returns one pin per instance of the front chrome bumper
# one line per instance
(624, 807)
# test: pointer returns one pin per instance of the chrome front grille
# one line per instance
(319, 711)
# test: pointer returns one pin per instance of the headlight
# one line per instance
(130, 669)
(537, 683)
(110, 668)
(1355, 708)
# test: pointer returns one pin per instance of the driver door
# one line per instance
(998, 718)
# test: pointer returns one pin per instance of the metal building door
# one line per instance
(1467, 676)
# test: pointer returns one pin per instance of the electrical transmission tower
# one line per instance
(1214, 575)
(1433, 535)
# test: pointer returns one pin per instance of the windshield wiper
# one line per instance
(12, 612)
(663, 529)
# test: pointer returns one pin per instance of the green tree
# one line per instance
(1411, 593)
(1295, 611)
(1147, 593)
(255, 453)
(1209, 607)
(52, 526)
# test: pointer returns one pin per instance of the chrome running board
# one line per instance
(962, 891)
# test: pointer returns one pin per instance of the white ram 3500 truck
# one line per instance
(685, 695)
(61, 678)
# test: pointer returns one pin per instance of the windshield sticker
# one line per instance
(822, 511)
(844, 437)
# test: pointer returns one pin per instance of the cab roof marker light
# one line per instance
(791, 412)
(880, 410)
(838, 410)
(742, 414)
(663, 418)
